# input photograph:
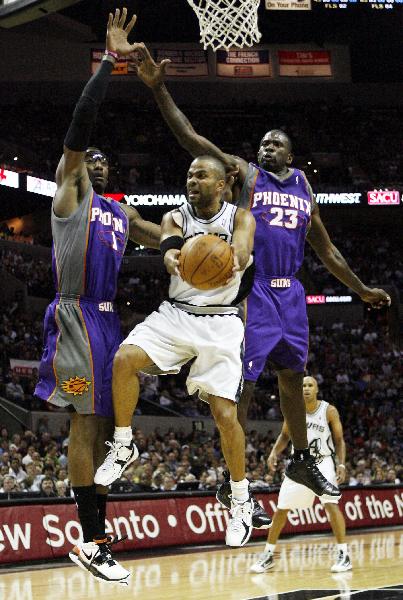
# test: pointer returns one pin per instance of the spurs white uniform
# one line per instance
(200, 324)
(320, 441)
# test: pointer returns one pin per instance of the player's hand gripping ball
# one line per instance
(206, 262)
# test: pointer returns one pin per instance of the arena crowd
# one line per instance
(134, 141)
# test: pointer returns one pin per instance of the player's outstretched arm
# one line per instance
(280, 445)
(334, 261)
(152, 74)
(336, 428)
(243, 237)
(71, 176)
(142, 232)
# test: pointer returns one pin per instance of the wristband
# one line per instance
(115, 55)
(344, 466)
(174, 242)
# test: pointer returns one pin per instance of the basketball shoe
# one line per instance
(260, 519)
(263, 563)
(240, 526)
(116, 461)
(96, 557)
(342, 564)
(305, 471)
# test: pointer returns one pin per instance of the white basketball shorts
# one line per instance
(295, 495)
(171, 337)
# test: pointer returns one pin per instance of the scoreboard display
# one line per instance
(365, 4)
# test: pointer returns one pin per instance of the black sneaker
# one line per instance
(260, 518)
(306, 473)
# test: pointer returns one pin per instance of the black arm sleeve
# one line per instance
(85, 112)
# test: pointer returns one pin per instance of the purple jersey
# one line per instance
(282, 209)
(276, 322)
(88, 248)
(81, 329)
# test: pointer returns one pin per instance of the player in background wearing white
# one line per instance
(325, 439)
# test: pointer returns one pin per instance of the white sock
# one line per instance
(269, 548)
(342, 548)
(240, 490)
(124, 435)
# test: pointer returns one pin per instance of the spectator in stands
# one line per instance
(47, 488)
(61, 489)
(29, 456)
(14, 390)
(63, 458)
(168, 483)
(34, 477)
(61, 474)
(391, 476)
(10, 485)
(16, 470)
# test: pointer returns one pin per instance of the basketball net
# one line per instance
(227, 23)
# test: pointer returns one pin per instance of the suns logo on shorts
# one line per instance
(76, 386)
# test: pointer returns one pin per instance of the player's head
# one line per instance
(98, 168)
(205, 181)
(310, 389)
(275, 151)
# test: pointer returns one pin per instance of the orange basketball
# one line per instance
(206, 262)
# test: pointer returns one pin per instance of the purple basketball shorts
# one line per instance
(276, 326)
(81, 338)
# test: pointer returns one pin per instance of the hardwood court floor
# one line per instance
(301, 573)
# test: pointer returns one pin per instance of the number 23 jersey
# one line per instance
(282, 209)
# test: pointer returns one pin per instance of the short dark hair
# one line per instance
(285, 135)
(216, 163)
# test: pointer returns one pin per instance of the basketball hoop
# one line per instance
(227, 23)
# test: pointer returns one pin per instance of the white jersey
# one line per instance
(223, 299)
(320, 439)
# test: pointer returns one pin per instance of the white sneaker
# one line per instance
(342, 564)
(264, 563)
(97, 559)
(116, 461)
(240, 524)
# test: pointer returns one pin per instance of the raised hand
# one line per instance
(117, 33)
(150, 72)
(376, 297)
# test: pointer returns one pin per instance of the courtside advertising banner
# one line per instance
(47, 531)
(243, 63)
(304, 63)
(184, 63)
(288, 5)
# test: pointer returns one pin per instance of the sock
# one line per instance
(86, 500)
(302, 454)
(124, 435)
(342, 548)
(101, 505)
(270, 548)
(240, 490)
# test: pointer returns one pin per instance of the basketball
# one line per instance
(206, 262)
